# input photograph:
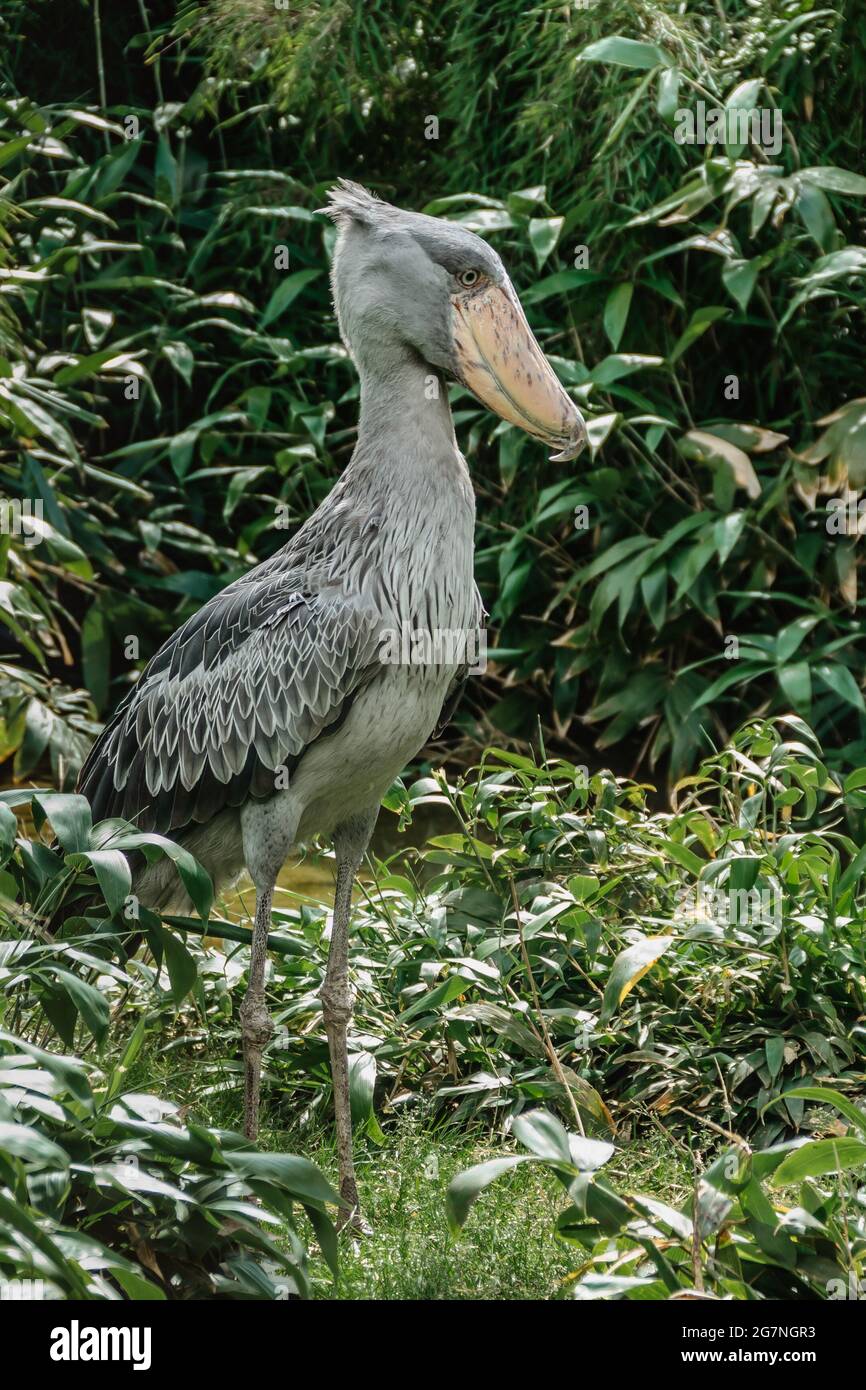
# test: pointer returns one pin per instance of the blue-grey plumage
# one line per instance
(274, 714)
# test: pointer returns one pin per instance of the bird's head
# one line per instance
(404, 282)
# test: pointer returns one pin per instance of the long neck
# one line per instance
(398, 526)
(405, 430)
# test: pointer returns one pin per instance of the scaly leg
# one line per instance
(256, 1023)
(350, 842)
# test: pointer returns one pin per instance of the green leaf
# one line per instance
(167, 182)
(739, 278)
(820, 1157)
(92, 1005)
(834, 180)
(68, 1070)
(297, 1176)
(12, 148)
(97, 324)
(32, 1147)
(774, 1051)
(195, 879)
(583, 886)
(616, 312)
(16, 1218)
(181, 357)
(796, 682)
(825, 1095)
(543, 1135)
(68, 205)
(619, 364)
(8, 832)
(69, 815)
(544, 233)
(629, 967)
(119, 1074)
(791, 637)
(626, 112)
(627, 53)
(112, 872)
(285, 294)
(560, 283)
(181, 966)
(753, 438)
(682, 855)
(511, 446)
(442, 994)
(814, 208)
(741, 672)
(467, 1187)
(840, 681)
(136, 1287)
(716, 452)
(854, 872)
(744, 97)
(84, 367)
(668, 100)
(727, 532)
(95, 653)
(654, 591)
(362, 1086)
(700, 321)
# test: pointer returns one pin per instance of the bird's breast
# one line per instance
(427, 562)
(350, 771)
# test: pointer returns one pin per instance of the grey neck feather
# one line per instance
(409, 472)
(405, 430)
(403, 404)
(399, 524)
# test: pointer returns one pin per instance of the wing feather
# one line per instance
(241, 690)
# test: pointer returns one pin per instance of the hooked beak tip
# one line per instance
(574, 445)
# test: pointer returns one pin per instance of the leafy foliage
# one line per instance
(175, 396)
(105, 1190)
(734, 1239)
(564, 943)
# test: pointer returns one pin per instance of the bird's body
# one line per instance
(300, 733)
(286, 707)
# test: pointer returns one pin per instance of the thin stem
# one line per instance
(100, 67)
(549, 1048)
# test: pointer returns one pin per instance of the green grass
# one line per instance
(508, 1249)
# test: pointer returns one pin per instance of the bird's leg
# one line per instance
(256, 1023)
(350, 841)
(337, 1010)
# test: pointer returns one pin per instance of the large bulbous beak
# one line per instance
(500, 361)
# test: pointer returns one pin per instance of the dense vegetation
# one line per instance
(683, 604)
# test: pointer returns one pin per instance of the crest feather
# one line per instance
(351, 202)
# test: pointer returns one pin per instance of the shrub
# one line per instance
(737, 1237)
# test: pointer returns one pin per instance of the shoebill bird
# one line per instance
(278, 712)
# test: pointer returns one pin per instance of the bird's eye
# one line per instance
(468, 278)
